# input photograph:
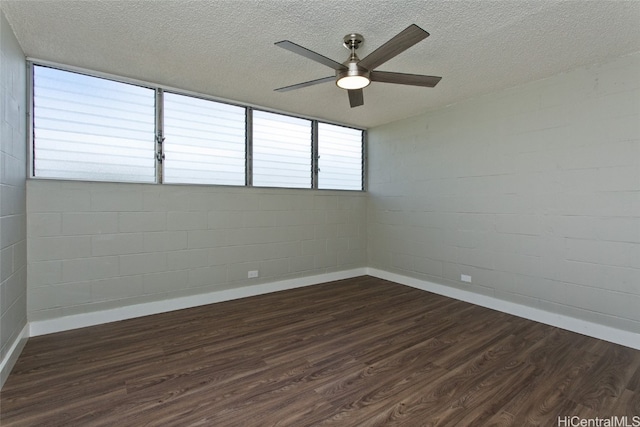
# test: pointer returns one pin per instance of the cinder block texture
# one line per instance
(119, 244)
(532, 191)
(13, 175)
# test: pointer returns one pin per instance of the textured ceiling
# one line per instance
(225, 48)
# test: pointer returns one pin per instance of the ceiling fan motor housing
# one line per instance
(353, 70)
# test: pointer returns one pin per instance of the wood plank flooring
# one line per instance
(357, 352)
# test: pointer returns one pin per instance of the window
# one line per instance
(281, 151)
(91, 128)
(339, 157)
(204, 141)
(102, 129)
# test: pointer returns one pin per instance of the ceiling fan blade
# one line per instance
(398, 44)
(305, 84)
(356, 97)
(404, 79)
(295, 48)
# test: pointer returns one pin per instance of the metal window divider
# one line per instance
(248, 150)
(364, 161)
(159, 143)
(31, 159)
(315, 157)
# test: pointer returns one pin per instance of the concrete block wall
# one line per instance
(13, 173)
(97, 246)
(534, 192)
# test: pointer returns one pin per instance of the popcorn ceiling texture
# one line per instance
(225, 48)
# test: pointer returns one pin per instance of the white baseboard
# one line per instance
(6, 365)
(65, 323)
(59, 324)
(573, 324)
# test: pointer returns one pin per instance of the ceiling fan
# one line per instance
(355, 73)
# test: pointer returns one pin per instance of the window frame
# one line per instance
(159, 130)
(161, 115)
(310, 157)
(317, 148)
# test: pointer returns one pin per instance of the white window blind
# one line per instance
(340, 162)
(91, 128)
(281, 151)
(204, 141)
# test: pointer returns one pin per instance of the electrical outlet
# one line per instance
(252, 274)
(465, 278)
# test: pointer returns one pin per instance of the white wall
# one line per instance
(13, 150)
(99, 246)
(532, 191)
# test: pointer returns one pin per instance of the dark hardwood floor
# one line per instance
(358, 352)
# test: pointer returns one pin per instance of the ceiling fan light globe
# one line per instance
(353, 82)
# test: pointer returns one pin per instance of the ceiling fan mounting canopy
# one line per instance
(356, 74)
(352, 41)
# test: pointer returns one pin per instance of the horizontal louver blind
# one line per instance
(91, 128)
(340, 162)
(281, 151)
(204, 141)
